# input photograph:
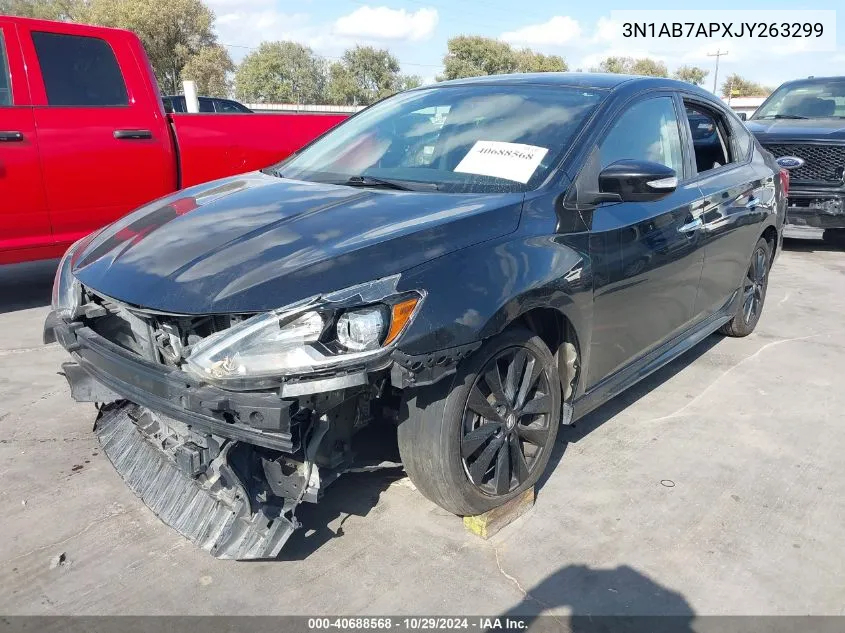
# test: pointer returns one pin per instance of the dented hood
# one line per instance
(256, 242)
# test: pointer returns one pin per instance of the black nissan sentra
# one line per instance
(467, 266)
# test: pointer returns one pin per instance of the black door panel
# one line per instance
(736, 203)
(647, 261)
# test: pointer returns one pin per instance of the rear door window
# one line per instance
(79, 71)
(5, 77)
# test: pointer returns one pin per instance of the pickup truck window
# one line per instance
(79, 71)
(5, 79)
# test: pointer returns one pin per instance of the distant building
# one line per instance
(303, 107)
(748, 105)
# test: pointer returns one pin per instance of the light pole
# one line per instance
(717, 55)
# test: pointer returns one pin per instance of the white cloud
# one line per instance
(561, 29)
(382, 23)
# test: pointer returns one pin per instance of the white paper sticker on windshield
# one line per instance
(512, 161)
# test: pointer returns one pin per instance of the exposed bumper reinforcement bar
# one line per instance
(263, 419)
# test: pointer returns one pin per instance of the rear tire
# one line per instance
(752, 292)
(467, 462)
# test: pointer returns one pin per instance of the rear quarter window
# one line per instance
(741, 139)
(79, 71)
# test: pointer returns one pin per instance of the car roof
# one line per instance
(600, 81)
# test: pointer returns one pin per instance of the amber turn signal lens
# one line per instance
(399, 316)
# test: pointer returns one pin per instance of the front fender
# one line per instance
(475, 293)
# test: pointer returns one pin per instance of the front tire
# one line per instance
(481, 439)
(752, 292)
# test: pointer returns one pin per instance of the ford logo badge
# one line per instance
(790, 162)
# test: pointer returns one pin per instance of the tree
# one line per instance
(472, 55)
(281, 72)
(410, 81)
(43, 9)
(366, 74)
(173, 31)
(691, 74)
(615, 65)
(210, 69)
(649, 67)
(527, 61)
(631, 66)
(736, 86)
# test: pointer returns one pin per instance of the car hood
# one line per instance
(256, 242)
(775, 130)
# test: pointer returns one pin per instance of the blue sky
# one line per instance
(416, 31)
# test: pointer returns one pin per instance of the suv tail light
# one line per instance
(784, 181)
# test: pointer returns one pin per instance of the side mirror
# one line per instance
(743, 116)
(635, 181)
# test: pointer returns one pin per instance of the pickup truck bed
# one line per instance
(84, 137)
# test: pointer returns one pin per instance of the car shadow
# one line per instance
(805, 245)
(353, 494)
(27, 285)
(617, 599)
(593, 420)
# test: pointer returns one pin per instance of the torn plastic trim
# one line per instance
(425, 369)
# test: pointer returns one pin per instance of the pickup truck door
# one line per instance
(647, 256)
(24, 221)
(104, 140)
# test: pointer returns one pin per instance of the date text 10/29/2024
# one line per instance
(418, 624)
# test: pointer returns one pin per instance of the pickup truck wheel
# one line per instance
(752, 292)
(474, 442)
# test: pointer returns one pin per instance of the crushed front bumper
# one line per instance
(216, 466)
(817, 208)
(101, 369)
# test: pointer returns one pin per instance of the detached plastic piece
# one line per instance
(214, 510)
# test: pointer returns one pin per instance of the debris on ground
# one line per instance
(59, 560)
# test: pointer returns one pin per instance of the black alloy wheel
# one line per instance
(754, 289)
(481, 438)
(752, 292)
(506, 421)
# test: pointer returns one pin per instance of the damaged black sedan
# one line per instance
(466, 266)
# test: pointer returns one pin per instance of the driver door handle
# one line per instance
(11, 137)
(690, 227)
(133, 135)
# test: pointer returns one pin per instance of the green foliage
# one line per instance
(210, 69)
(173, 31)
(364, 75)
(64, 10)
(691, 74)
(736, 86)
(528, 61)
(473, 56)
(631, 66)
(281, 72)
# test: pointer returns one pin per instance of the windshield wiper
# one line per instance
(371, 181)
(784, 116)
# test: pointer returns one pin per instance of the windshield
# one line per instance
(450, 138)
(806, 100)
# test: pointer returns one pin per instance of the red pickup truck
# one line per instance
(84, 137)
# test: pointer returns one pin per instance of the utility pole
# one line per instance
(717, 55)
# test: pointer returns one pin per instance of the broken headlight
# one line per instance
(67, 292)
(356, 326)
